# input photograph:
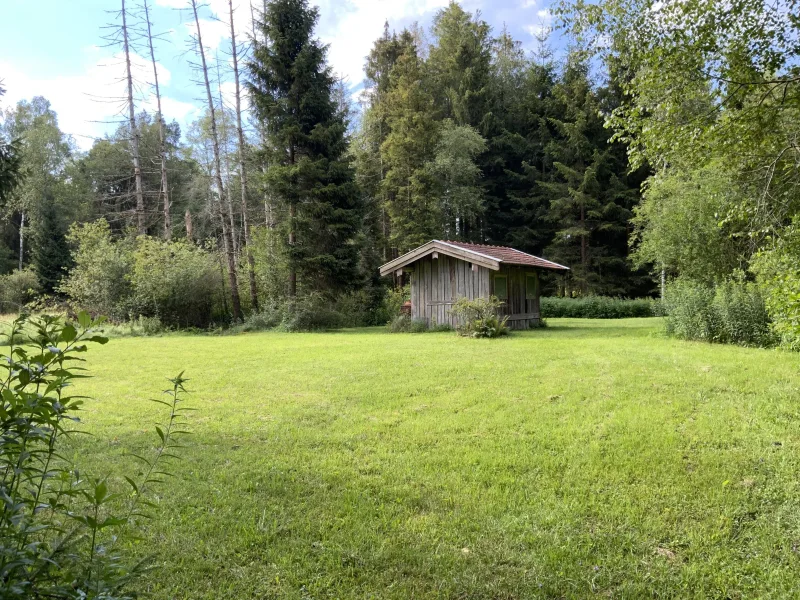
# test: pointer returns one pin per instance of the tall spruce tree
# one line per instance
(307, 167)
(591, 198)
(412, 200)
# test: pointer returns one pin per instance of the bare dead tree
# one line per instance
(223, 125)
(251, 269)
(226, 233)
(137, 168)
(162, 151)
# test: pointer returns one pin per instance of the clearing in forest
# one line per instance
(588, 459)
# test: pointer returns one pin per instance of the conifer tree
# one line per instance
(305, 147)
(411, 197)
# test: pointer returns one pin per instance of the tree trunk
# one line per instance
(161, 141)
(228, 200)
(251, 265)
(226, 235)
(187, 220)
(137, 168)
(292, 239)
(583, 248)
(21, 239)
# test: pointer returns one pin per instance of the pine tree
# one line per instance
(307, 168)
(591, 198)
(412, 203)
(460, 62)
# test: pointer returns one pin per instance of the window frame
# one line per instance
(504, 277)
(530, 290)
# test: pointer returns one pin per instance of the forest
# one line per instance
(653, 150)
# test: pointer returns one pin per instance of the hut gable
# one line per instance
(441, 272)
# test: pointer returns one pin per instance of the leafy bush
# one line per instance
(99, 282)
(17, 289)
(405, 324)
(58, 527)
(392, 302)
(268, 317)
(311, 313)
(732, 312)
(175, 281)
(778, 275)
(478, 318)
(596, 307)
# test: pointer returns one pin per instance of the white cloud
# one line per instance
(352, 29)
(92, 102)
(543, 26)
(528, 3)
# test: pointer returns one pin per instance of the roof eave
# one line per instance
(471, 256)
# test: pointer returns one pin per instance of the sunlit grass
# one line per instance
(588, 459)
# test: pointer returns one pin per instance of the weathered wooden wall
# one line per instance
(436, 284)
(522, 313)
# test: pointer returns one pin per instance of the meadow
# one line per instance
(589, 459)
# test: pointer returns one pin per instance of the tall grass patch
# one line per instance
(732, 312)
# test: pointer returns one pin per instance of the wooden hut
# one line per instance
(442, 272)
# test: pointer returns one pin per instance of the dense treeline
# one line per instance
(712, 101)
(632, 177)
(464, 137)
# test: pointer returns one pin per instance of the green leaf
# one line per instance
(84, 319)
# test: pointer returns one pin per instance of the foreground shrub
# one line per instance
(58, 527)
(778, 275)
(596, 307)
(18, 289)
(732, 312)
(478, 318)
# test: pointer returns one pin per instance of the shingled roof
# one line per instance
(483, 255)
(510, 256)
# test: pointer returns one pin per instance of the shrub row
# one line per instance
(597, 307)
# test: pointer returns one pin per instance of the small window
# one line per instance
(530, 286)
(501, 287)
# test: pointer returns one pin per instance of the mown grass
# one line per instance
(587, 459)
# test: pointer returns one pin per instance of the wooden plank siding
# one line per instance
(437, 283)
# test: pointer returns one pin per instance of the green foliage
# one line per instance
(732, 312)
(478, 318)
(596, 307)
(18, 289)
(405, 324)
(679, 227)
(304, 151)
(458, 176)
(175, 281)
(711, 100)
(778, 274)
(58, 527)
(99, 281)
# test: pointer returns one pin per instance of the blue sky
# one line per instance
(54, 48)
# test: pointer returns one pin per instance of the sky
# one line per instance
(56, 49)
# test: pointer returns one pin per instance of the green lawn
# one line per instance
(589, 459)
